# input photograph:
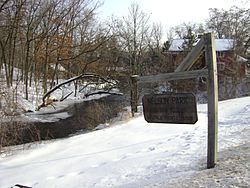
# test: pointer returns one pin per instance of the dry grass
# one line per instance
(13, 132)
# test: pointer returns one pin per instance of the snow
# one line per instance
(220, 45)
(35, 93)
(57, 111)
(52, 113)
(132, 154)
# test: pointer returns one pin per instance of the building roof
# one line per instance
(220, 45)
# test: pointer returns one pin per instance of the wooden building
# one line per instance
(232, 68)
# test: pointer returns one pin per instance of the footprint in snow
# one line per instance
(127, 155)
(61, 176)
(189, 137)
(124, 157)
(35, 184)
(159, 143)
(70, 174)
(152, 148)
(81, 172)
(149, 149)
(186, 146)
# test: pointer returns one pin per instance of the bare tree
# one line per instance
(154, 60)
(156, 36)
(133, 32)
(182, 30)
(42, 37)
(12, 13)
(30, 32)
(3, 4)
(234, 24)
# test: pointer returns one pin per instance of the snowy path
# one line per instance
(131, 154)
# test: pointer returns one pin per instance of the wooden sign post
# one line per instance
(206, 44)
(212, 89)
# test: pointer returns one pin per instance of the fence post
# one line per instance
(212, 89)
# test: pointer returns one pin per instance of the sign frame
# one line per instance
(176, 108)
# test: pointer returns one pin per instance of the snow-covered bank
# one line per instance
(131, 154)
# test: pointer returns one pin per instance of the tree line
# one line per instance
(48, 40)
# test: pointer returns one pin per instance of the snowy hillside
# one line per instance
(128, 154)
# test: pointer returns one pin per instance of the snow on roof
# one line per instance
(241, 59)
(220, 44)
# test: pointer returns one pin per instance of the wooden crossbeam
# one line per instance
(173, 76)
(192, 56)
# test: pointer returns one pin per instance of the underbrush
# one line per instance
(12, 131)
(15, 133)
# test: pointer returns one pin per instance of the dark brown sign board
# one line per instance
(179, 108)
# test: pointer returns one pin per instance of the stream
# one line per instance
(76, 117)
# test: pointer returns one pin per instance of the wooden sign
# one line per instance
(170, 108)
(158, 110)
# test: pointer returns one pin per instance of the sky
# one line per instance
(171, 13)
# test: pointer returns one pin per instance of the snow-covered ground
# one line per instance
(128, 154)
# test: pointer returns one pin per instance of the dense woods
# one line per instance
(43, 41)
(43, 38)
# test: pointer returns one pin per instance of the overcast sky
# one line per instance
(171, 12)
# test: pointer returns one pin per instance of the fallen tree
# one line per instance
(92, 79)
